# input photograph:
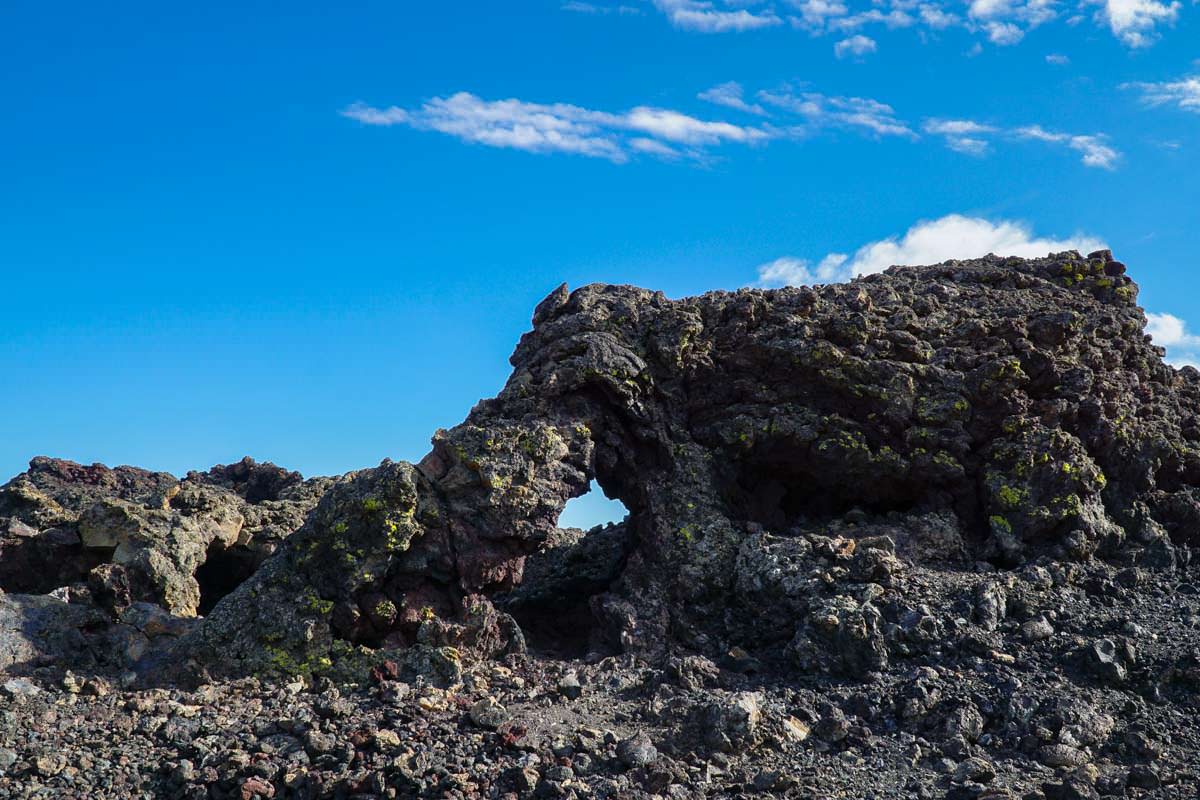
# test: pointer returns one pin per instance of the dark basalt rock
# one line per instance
(993, 410)
(926, 534)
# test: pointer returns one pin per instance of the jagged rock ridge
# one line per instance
(988, 410)
(931, 531)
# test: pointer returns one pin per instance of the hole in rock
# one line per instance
(41, 562)
(581, 559)
(223, 570)
(591, 509)
(780, 492)
(564, 632)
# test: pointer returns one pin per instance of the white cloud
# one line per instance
(1134, 22)
(1171, 332)
(815, 13)
(673, 134)
(705, 17)
(893, 19)
(1058, 59)
(1184, 93)
(654, 147)
(1095, 149)
(968, 136)
(821, 111)
(560, 127)
(1030, 12)
(857, 45)
(508, 124)
(968, 145)
(591, 8)
(937, 18)
(1002, 22)
(731, 95)
(682, 129)
(932, 242)
(962, 135)
(376, 116)
(788, 271)
(1003, 33)
(956, 127)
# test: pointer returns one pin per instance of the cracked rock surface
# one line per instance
(926, 534)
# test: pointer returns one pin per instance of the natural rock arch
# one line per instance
(988, 409)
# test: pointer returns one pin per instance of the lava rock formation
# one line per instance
(994, 410)
(933, 527)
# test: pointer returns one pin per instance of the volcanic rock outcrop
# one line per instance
(928, 533)
(993, 410)
(132, 545)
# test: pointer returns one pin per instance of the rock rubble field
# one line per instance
(929, 534)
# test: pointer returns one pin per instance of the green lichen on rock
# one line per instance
(987, 409)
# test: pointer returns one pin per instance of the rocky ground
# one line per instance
(927, 534)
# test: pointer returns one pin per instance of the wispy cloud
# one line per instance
(892, 19)
(707, 17)
(674, 126)
(855, 46)
(962, 135)
(1137, 23)
(784, 113)
(814, 14)
(563, 128)
(816, 111)
(973, 138)
(1058, 59)
(392, 115)
(789, 271)
(731, 95)
(1095, 150)
(1184, 93)
(1005, 22)
(929, 242)
(591, 8)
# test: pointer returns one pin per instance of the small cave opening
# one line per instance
(581, 559)
(224, 569)
(38, 562)
(781, 491)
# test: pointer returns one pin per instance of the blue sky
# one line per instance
(313, 233)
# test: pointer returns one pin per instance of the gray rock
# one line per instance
(570, 687)
(732, 722)
(1061, 755)
(488, 713)
(1107, 660)
(976, 770)
(1037, 629)
(637, 751)
(41, 628)
(20, 689)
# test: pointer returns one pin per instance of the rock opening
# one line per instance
(784, 489)
(591, 509)
(554, 604)
(224, 569)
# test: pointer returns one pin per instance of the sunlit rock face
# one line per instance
(925, 418)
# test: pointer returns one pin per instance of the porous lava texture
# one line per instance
(995, 410)
(926, 534)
